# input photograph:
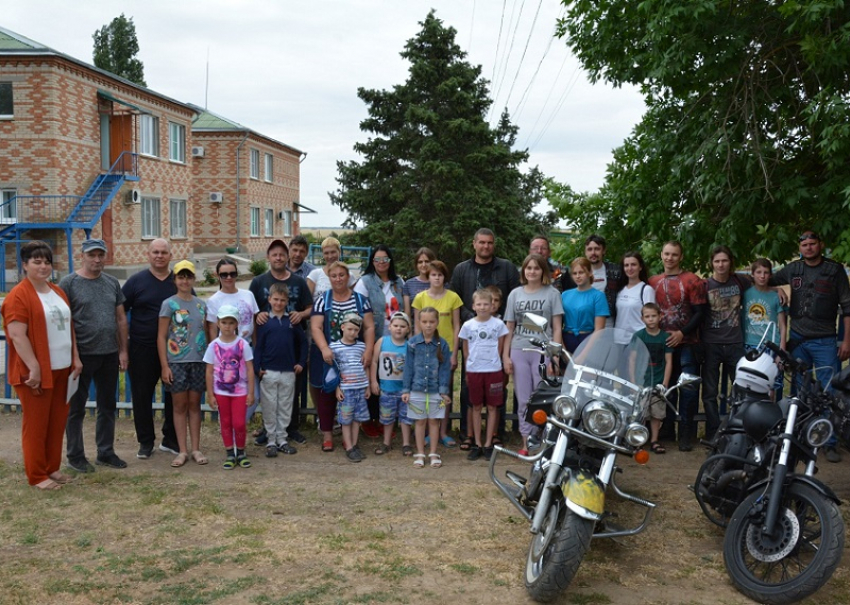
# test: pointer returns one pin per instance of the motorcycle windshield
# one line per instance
(603, 368)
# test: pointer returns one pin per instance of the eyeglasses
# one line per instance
(228, 275)
(382, 260)
(806, 236)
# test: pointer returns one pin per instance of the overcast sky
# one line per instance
(290, 70)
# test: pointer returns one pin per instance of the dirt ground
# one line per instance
(315, 528)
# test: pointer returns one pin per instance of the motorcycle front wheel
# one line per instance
(555, 553)
(797, 560)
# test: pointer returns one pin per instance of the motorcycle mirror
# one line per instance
(533, 322)
(686, 379)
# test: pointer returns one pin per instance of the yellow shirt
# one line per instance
(445, 307)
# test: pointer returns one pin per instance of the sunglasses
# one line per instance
(228, 275)
(807, 236)
(383, 260)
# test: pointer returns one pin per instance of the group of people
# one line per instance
(379, 348)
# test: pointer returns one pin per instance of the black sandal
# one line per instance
(467, 443)
(657, 448)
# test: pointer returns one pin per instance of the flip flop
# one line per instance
(448, 441)
(48, 485)
(199, 458)
(180, 460)
(61, 478)
(467, 443)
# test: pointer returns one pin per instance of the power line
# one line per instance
(546, 102)
(498, 43)
(471, 28)
(522, 101)
(524, 50)
(558, 107)
(510, 48)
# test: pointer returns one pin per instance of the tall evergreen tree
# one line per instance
(434, 171)
(116, 47)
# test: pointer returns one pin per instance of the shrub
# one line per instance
(258, 267)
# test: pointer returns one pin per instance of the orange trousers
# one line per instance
(43, 427)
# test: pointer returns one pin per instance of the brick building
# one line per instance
(83, 151)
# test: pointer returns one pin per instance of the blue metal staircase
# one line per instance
(65, 212)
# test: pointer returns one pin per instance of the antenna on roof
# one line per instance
(207, 83)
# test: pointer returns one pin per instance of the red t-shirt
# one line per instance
(676, 294)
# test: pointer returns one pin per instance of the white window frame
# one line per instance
(255, 221)
(151, 218)
(268, 223)
(177, 215)
(9, 116)
(8, 214)
(255, 164)
(149, 135)
(287, 222)
(268, 165)
(177, 142)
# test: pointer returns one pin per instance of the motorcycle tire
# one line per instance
(799, 561)
(555, 553)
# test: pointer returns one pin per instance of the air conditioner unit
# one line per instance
(134, 196)
(216, 197)
(197, 151)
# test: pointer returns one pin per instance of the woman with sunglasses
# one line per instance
(229, 294)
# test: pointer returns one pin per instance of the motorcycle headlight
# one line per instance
(637, 435)
(600, 418)
(819, 432)
(565, 407)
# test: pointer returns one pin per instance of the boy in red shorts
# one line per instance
(483, 339)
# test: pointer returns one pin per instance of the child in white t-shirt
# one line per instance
(483, 341)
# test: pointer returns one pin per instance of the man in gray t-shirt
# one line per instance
(100, 326)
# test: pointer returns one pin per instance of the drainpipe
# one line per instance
(238, 204)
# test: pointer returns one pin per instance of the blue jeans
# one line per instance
(685, 400)
(821, 354)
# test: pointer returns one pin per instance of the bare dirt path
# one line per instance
(314, 528)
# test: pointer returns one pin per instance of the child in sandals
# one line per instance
(427, 372)
(230, 384)
(181, 343)
(387, 371)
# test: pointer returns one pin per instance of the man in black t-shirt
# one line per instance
(144, 293)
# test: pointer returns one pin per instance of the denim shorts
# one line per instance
(425, 405)
(392, 407)
(190, 376)
(353, 407)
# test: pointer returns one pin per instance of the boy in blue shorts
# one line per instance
(387, 381)
(353, 389)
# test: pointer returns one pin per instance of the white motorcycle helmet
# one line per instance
(757, 375)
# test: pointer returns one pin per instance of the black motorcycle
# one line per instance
(785, 538)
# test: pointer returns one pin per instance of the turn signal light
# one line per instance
(539, 417)
(641, 456)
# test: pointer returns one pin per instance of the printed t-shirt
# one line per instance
(57, 314)
(761, 308)
(483, 338)
(545, 302)
(230, 370)
(244, 301)
(657, 347)
(391, 365)
(676, 294)
(186, 338)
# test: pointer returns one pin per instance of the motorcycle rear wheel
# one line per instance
(797, 562)
(555, 553)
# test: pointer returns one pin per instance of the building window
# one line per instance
(268, 224)
(150, 218)
(255, 222)
(269, 176)
(255, 164)
(149, 135)
(7, 106)
(178, 218)
(287, 222)
(177, 139)
(9, 209)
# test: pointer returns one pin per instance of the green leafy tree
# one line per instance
(433, 170)
(116, 47)
(746, 135)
